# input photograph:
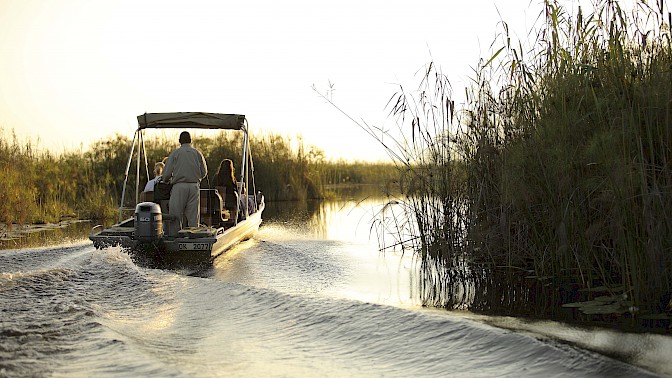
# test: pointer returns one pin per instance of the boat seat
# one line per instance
(230, 198)
(147, 196)
(212, 211)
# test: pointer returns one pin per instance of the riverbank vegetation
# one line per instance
(549, 193)
(39, 186)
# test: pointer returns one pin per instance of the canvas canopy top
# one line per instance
(194, 120)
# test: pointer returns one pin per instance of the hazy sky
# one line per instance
(75, 71)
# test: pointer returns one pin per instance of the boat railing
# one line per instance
(97, 229)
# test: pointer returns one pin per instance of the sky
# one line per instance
(77, 71)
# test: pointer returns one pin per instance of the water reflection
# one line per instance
(342, 219)
(325, 248)
(289, 309)
(48, 235)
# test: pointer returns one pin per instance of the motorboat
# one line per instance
(151, 234)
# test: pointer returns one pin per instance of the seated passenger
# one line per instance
(148, 193)
(225, 176)
(158, 169)
(247, 202)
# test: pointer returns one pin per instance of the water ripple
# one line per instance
(77, 311)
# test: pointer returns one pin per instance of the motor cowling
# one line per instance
(148, 222)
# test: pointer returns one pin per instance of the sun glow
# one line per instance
(77, 71)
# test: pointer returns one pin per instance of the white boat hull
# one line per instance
(200, 246)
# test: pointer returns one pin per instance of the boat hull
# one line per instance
(191, 246)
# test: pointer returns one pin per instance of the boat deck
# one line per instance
(194, 244)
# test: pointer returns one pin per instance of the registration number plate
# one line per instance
(194, 246)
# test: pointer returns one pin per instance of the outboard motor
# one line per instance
(148, 222)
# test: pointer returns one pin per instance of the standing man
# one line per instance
(185, 168)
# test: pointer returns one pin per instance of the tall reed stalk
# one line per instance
(553, 185)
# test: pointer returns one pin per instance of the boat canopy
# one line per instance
(195, 120)
(186, 120)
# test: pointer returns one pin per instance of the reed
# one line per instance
(552, 186)
(39, 187)
(17, 192)
(583, 169)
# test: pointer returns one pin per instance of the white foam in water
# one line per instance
(299, 299)
(114, 254)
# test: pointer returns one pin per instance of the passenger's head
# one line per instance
(226, 166)
(226, 170)
(158, 168)
(185, 137)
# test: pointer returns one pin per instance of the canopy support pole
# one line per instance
(243, 172)
(128, 167)
(137, 170)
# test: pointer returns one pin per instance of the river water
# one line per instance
(309, 296)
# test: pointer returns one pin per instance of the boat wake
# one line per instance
(76, 311)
